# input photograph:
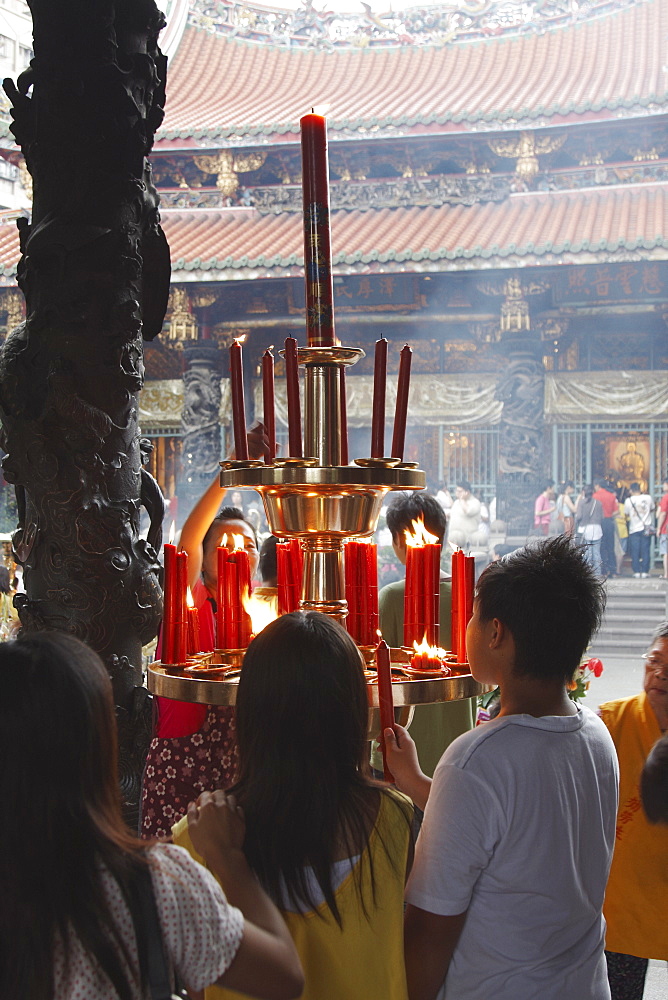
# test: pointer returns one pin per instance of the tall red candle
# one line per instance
(459, 619)
(385, 699)
(221, 636)
(317, 238)
(361, 579)
(238, 404)
(289, 571)
(193, 631)
(344, 419)
(181, 631)
(401, 409)
(168, 653)
(268, 402)
(422, 593)
(378, 412)
(294, 405)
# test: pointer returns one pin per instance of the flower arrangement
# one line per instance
(582, 677)
(488, 704)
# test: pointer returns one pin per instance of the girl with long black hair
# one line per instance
(329, 844)
(71, 871)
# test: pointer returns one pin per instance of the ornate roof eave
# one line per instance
(417, 263)
(403, 125)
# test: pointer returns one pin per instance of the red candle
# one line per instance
(422, 595)
(238, 404)
(378, 412)
(193, 631)
(468, 589)
(294, 405)
(361, 578)
(289, 570)
(401, 409)
(344, 419)
(317, 238)
(268, 404)
(385, 700)
(170, 606)
(221, 636)
(241, 558)
(459, 619)
(181, 631)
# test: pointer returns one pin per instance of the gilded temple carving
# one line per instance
(227, 165)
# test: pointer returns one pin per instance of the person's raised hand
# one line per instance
(258, 441)
(216, 825)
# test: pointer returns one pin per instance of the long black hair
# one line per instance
(304, 780)
(59, 786)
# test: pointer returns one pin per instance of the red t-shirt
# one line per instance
(608, 502)
(663, 507)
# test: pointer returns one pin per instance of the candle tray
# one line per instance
(216, 683)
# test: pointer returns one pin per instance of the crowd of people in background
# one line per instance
(609, 521)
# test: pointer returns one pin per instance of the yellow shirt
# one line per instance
(363, 960)
(635, 899)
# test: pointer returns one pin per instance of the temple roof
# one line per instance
(609, 224)
(225, 90)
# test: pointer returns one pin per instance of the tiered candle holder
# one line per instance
(315, 495)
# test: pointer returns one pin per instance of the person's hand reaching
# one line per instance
(258, 442)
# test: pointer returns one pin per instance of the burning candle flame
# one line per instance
(172, 533)
(433, 652)
(419, 535)
(233, 542)
(189, 598)
(241, 339)
(262, 611)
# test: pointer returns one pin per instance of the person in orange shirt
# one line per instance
(606, 494)
(634, 906)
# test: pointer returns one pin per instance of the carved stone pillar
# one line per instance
(522, 453)
(95, 274)
(200, 420)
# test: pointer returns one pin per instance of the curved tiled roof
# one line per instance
(233, 244)
(221, 89)
(535, 225)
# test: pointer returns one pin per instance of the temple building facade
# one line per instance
(499, 197)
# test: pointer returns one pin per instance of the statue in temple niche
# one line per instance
(631, 467)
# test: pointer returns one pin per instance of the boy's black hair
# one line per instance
(465, 485)
(226, 514)
(550, 599)
(268, 567)
(404, 508)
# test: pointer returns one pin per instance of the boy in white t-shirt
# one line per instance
(506, 892)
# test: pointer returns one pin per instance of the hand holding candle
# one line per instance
(385, 699)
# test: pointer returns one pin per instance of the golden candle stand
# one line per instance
(323, 503)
